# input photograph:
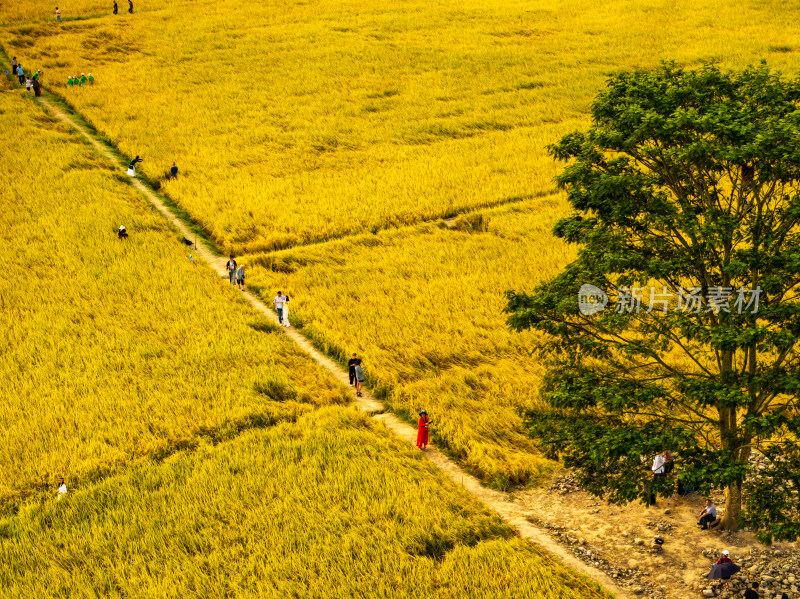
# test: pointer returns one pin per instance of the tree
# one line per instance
(685, 190)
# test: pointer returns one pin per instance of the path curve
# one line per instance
(514, 514)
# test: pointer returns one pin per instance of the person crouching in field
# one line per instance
(122, 232)
(132, 166)
(422, 430)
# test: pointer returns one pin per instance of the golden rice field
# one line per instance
(115, 350)
(423, 307)
(301, 121)
(330, 506)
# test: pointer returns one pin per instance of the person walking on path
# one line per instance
(278, 302)
(37, 89)
(240, 277)
(28, 84)
(21, 74)
(231, 266)
(708, 515)
(130, 6)
(58, 15)
(132, 165)
(359, 377)
(286, 312)
(422, 430)
(14, 66)
(115, 7)
(351, 367)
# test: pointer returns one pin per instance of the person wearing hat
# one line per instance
(422, 430)
(91, 79)
(62, 488)
(725, 559)
(83, 79)
(122, 232)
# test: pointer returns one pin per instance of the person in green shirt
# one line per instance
(91, 79)
(69, 80)
(83, 79)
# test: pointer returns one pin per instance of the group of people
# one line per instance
(235, 272)
(172, 173)
(74, 80)
(30, 83)
(130, 7)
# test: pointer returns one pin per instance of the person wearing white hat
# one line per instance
(122, 232)
(725, 559)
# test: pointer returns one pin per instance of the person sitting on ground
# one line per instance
(91, 79)
(752, 593)
(708, 515)
(62, 488)
(725, 559)
(122, 232)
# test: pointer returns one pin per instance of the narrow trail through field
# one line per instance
(513, 513)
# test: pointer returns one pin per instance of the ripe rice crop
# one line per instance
(116, 349)
(423, 307)
(295, 122)
(330, 506)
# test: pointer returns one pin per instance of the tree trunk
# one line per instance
(733, 506)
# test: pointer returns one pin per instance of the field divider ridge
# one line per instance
(511, 512)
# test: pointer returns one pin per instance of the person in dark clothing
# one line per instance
(752, 593)
(122, 232)
(14, 66)
(231, 266)
(351, 366)
(173, 172)
(130, 6)
(37, 89)
(132, 165)
(115, 7)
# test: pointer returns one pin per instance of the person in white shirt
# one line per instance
(286, 312)
(279, 301)
(708, 515)
(62, 488)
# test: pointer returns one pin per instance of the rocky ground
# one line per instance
(620, 541)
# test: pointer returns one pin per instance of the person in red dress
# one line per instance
(422, 430)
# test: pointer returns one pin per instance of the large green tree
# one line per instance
(686, 196)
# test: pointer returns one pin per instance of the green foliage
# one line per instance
(686, 183)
